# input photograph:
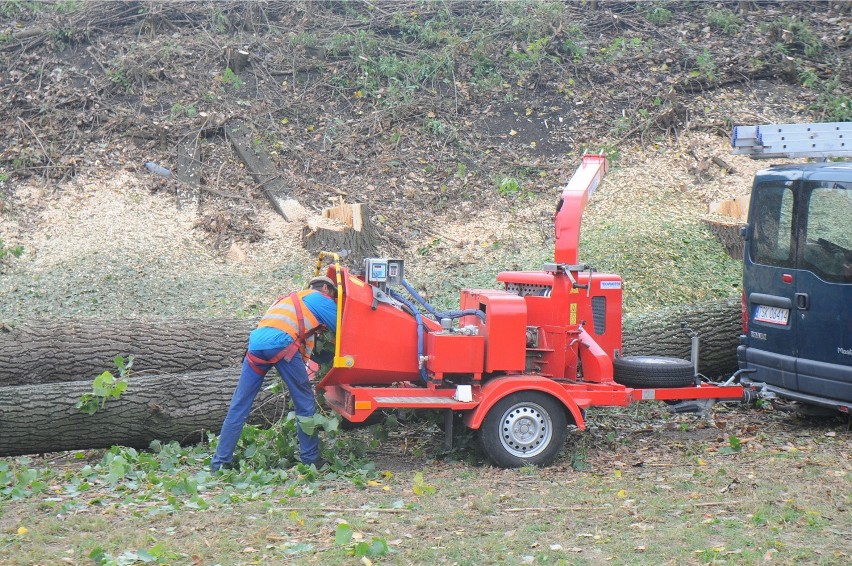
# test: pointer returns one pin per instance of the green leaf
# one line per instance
(102, 384)
(117, 468)
(87, 404)
(308, 425)
(331, 424)
(420, 487)
(735, 442)
(120, 387)
(343, 534)
(299, 548)
(98, 555)
(378, 547)
(361, 549)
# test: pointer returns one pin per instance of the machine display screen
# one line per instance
(378, 271)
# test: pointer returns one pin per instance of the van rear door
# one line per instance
(823, 299)
(769, 273)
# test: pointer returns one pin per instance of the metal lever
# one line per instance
(693, 355)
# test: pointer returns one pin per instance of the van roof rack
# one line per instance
(823, 140)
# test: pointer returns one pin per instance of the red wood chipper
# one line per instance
(520, 364)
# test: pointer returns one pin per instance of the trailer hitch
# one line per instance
(700, 406)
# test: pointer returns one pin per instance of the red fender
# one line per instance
(597, 366)
(498, 388)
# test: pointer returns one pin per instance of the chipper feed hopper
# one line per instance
(520, 363)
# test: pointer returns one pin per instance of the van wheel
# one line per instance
(653, 372)
(527, 427)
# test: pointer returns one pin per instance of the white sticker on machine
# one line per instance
(610, 284)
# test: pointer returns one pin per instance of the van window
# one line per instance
(828, 231)
(773, 225)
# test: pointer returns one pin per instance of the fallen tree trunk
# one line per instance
(264, 171)
(40, 418)
(182, 407)
(659, 333)
(67, 350)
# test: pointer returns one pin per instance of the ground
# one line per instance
(457, 122)
(640, 486)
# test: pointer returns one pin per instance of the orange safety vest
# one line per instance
(285, 315)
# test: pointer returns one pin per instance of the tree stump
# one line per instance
(236, 59)
(728, 234)
(343, 227)
(729, 218)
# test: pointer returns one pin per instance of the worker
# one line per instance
(284, 338)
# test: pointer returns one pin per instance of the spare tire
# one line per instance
(653, 372)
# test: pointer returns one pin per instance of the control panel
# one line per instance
(383, 272)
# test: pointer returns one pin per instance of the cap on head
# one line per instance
(318, 282)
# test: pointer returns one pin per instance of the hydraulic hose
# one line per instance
(439, 315)
(419, 319)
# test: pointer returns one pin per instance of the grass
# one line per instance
(648, 498)
(723, 19)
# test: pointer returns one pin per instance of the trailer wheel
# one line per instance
(653, 372)
(527, 427)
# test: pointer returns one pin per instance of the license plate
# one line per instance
(771, 315)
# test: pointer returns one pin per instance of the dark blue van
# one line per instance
(797, 284)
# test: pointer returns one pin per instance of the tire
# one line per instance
(653, 372)
(527, 427)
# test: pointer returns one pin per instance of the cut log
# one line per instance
(41, 417)
(265, 173)
(188, 172)
(723, 165)
(343, 227)
(180, 407)
(719, 324)
(67, 350)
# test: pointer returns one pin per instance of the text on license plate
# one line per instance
(771, 315)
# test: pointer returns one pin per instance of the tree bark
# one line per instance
(659, 333)
(66, 350)
(182, 407)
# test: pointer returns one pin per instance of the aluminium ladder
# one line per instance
(821, 140)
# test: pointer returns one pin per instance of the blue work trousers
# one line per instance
(295, 376)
